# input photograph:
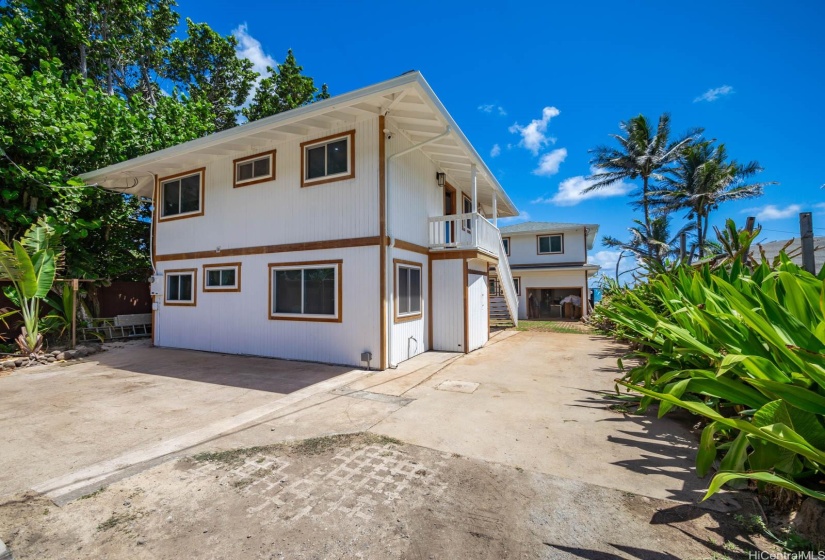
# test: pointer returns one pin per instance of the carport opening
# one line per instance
(554, 304)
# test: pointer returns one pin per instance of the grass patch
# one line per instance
(93, 494)
(311, 446)
(115, 520)
(553, 326)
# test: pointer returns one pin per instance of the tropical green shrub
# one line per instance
(31, 264)
(745, 348)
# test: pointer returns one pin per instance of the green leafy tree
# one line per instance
(205, 62)
(644, 152)
(283, 89)
(701, 180)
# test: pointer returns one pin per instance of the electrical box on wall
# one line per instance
(156, 285)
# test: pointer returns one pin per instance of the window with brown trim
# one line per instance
(254, 169)
(181, 195)
(506, 242)
(309, 291)
(224, 277)
(550, 244)
(328, 159)
(408, 292)
(180, 287)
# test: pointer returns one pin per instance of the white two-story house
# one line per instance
(356, 230)
(548, 261)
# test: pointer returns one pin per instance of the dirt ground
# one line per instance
(509, 452)
(360, 496)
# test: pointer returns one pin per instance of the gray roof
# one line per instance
(772, 249)
(551, 227)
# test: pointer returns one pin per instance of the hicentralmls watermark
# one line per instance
(809, 555)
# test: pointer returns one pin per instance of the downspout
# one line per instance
(390, 284)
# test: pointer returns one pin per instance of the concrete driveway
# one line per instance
(59, 419)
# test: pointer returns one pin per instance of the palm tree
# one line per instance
(651, 245)
(642, 152)
(701, 180)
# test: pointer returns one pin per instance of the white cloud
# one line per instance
(534, 135)
(522, 217)
(549, 163)
(495, 151)
(714, 94)
(491, 108)
(571, 193)
(773, 212)
(251, 48)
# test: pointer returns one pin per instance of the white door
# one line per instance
(477, 314)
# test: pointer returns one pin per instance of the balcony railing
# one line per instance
(464, 231)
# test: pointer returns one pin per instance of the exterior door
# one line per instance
(449, 210)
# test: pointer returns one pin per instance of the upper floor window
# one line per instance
(506, 241)
(328, 159)
(467, 208)
(180, 287)
(550, 244)
(254, 169)
(182, 195)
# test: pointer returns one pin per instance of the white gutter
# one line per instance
(389, 287)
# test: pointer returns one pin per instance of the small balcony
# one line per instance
(464, 231)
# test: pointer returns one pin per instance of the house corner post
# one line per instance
(382, 247)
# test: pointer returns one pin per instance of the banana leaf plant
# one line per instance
(31, 265)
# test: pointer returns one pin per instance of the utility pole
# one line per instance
(806, 235)
(682, 246)
(751, 221)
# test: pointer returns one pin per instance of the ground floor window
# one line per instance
(180, 287)
(408, 293)
(306, 291)
(222, 277)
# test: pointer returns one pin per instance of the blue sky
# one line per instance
(546, 81)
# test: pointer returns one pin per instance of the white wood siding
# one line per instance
(414, 194)
(448, 305)
(478, 314)
(524, 249)
(280, 211)
(410, 337)
(238, 323)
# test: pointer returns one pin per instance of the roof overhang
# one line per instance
(410, 106)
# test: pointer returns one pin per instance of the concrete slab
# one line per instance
(59, 420)
(458, 386)
(538, 407)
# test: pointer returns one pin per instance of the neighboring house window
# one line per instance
(517, 285)
(408, 302)
(549, 244)
(222, 277)
(181, 195)
(506, 241)
(328, 159)
(306, 291)
(467, 208)
(180, 287)
(254, 169)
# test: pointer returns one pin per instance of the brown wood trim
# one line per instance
(539, 236)
(430, 305)
(406, 318)
(477, 272)
(466, 310)
(384, 242)
(235, 162)
(464, 254)
(202, 171)
(350, 175)
(194, 301)
(509, 241)
(340, 303)
(412, 247)
(236, 265)
(269, 249)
